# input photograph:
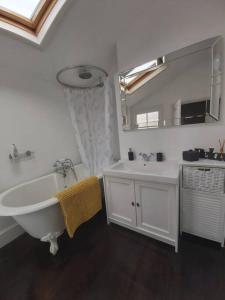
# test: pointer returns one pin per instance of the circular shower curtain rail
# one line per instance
(75, 77)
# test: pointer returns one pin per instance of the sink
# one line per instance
(166, 171)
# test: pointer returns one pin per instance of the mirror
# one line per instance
(180, 88)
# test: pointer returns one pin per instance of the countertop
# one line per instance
(204, 162)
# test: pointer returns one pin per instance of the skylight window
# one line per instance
(137, 77)
(30, 19)
(149, 65)
(143, 67)
(134, 82)
(25, 8)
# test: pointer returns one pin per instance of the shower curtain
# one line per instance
(92, 115)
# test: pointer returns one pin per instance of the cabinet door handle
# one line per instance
(138, 204)
(132, 203)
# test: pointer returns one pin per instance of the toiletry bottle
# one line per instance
(159, 156)
(130, 154)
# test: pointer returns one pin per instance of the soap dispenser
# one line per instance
(130, 154)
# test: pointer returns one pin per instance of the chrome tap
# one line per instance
(15, 151)
(68, 162)
(63, 166)
(16, 155)
(60, 167)
(145, 156)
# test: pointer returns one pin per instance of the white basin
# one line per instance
(166, 171)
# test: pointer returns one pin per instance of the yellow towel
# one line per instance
(80, 202)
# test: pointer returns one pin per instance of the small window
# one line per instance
(137, 77)
(150, 119)
(21, 7)
(28, 15)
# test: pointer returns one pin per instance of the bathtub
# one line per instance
(34, 207)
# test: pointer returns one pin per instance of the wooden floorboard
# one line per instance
(104, 262)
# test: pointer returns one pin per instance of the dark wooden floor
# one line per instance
(110, 262)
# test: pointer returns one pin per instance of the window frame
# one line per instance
(147, 120)
(32, 25)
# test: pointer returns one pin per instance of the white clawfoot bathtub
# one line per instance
(35, 209)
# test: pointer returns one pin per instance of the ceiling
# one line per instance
(101, 31)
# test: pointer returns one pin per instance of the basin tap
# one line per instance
(145, 156)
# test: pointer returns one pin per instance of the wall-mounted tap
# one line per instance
(16, 155)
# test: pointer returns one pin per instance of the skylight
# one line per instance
(140, 75)
(143, 67)
(30, 19)
(131, 84)
(25, 8)
(149, 65)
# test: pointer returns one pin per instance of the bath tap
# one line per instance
(62, 167)
(71, 166)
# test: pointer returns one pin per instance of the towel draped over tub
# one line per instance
(80, 202)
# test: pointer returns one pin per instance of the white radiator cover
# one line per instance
(203, 215)
(203, 202)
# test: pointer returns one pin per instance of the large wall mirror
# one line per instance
(180, 88)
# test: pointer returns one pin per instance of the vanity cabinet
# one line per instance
(147, 207)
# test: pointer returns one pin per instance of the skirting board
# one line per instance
(9, 234)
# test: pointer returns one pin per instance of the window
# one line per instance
(140, 75)
(150, 119)
(144, 67)
(28, 15)
(21, 7)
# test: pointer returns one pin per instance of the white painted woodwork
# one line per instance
(120, 197)
(203, 215)
(202, 212)
(155, 211)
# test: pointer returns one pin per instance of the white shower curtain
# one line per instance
(92, 117)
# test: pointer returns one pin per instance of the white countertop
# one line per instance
(165, 172)
(204, 162)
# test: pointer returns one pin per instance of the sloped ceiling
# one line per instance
(95, 31)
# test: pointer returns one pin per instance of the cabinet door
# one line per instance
(157, 209)
(203, 214)
(120, 200)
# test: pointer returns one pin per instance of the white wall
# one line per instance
(181, 25)
(161, 27)
(34, 116)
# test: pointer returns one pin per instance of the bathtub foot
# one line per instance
(51, 237)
